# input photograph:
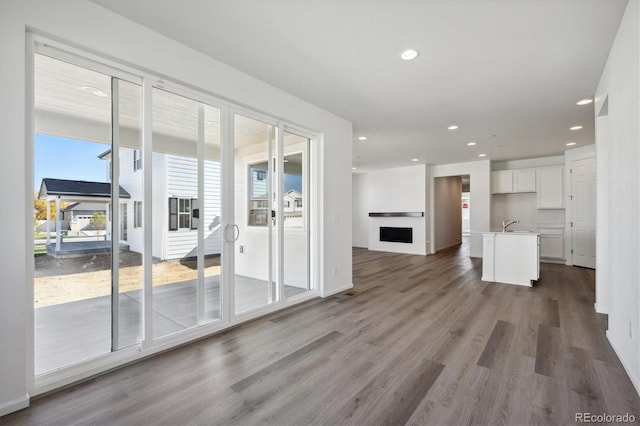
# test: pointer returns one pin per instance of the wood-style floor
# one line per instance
(419, 340)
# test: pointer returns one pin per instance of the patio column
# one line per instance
(48, 224)
(58, 224)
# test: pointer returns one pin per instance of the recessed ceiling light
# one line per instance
(415, 159)
(482, 155)
(95, 91)
(409, 54)
(362, 138)
(452, 127)
(471, 144)
(571, 143)
(575, 128)
(354, 168)
(584, 102)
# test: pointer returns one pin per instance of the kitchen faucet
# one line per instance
(506, 224)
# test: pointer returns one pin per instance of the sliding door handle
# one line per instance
(236, 232)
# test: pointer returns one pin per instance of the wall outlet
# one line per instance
(241, 248)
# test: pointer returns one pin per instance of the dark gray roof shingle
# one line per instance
(78, 187)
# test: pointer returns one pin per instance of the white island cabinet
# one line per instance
(511, 257)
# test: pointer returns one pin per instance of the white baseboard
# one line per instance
(14, 405)
(337, 290)
(634, 380)
(601, 309)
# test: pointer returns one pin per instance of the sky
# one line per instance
(62, 158)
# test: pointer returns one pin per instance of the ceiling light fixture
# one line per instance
(362, 138)
(414, 159)
(584, 102)
(575, 128)
(452, 127)
(571, 143)
(471, 144)
(95, 91)
(409, 54)
(482, 155)
(354, 168)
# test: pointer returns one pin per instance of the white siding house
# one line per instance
(175, 185)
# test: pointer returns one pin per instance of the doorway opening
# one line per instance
(451, 218)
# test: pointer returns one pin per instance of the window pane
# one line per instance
(174, 164)
(72, 284)
(254, 283)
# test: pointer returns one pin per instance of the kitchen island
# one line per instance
(511, 257)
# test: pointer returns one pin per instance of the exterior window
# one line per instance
(183, 213)
(287, 204)
(258, 189)
(298, 203)
(137, 214)
(137, 160)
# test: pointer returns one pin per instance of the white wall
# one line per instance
(619, 190)
(480, 177)
(401, 189)
(447, 213)
(398, 189)
(360, 210)
(86, 25)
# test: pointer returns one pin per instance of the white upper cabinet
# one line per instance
(524, 180)
(502, 182)
(513, 181)
(550, 185)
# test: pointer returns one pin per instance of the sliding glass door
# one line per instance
(156, 211)
(186, 172)
(87, 245)
(255, 277)
(270, 235)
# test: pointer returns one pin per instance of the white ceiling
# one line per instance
(508, 73)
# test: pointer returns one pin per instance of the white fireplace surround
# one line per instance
(399, 220)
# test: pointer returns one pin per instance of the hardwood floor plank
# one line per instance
(387, 400)
(293, 357)
(498, 345)
(548, 356)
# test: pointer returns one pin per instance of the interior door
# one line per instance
(583, 212)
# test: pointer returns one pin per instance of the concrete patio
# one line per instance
(69, 333)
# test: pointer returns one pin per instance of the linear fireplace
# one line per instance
(396, 235)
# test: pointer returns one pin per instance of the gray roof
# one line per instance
(80, 188)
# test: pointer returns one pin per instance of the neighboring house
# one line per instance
(73, 191)
(293, 208)
(175, 192)
(80, 214)
(259, 203)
